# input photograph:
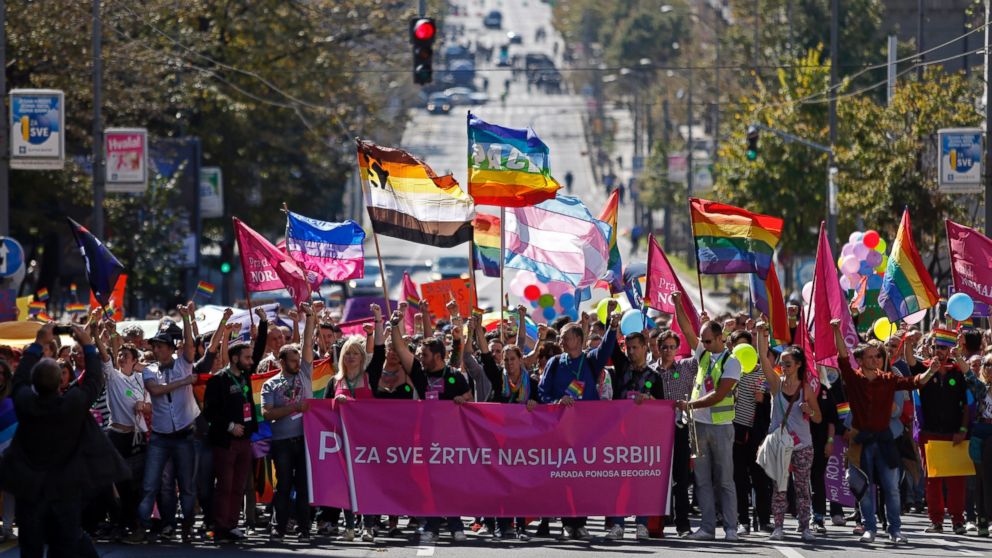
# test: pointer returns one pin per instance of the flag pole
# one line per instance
(471, 272)
(695, 245)
(382, 272)
(237, 238)
(306, 276)
(502, 257)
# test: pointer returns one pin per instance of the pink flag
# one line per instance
(971, 261)
(266, 268)
(803, 342)
(661, 283)
(412, 300)
(827, 303)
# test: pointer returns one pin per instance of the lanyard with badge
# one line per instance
(708, 380)
(576, 387)
(245, 389)
(435, 386)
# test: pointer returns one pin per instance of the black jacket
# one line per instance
(58, 451)
(223, 403)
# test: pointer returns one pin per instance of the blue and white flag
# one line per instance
(332, 251)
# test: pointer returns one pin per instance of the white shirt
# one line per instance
(123, 392)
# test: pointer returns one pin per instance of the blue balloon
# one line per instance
(550, 312)
(960, 306)
(533, 304)
(566, 300)
(572, 313)
(874, 281)
(865, 269)
(631, 322)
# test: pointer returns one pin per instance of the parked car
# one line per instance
(369, 285)
(493, 20)
(438, 103)
(459, 95)
(450, 267)
(515, 38)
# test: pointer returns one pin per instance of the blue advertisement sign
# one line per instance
(37, 129)
(960, 164)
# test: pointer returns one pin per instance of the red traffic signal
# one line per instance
(424, 29)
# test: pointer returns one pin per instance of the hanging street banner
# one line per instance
(211, 192)
(436, 458)
(126, 151)
(960, 162)
(37, 125)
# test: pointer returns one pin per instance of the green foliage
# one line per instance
(787, 179)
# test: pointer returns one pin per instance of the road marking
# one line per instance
(788, 551)
(425, 550)
(954, 545)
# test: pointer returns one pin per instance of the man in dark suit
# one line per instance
(58, 457)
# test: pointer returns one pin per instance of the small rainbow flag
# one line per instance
(906, 288)
(733, 240)
(843, 410)
(486, 240)
(507, 167)
(575, 389)
(615, 265)
(42, 294)
(76, 307)
(204, 288)
(767, 295)
(72, 289)
(43, 317)
(36, 306)
(944, 337)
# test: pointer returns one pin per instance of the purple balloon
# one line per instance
(847, 250)
(873, 258)
(850, 264)
(860, 250)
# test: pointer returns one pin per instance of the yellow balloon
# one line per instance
(883, 329)
(601, 310)
(885, 263)
(747, 356)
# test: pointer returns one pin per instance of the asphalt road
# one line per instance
(838, 542)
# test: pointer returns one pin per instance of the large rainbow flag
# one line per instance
(487, 244)
(733, 240)
(906, 287)
(614, 268)
(767, 296)
(507, 167)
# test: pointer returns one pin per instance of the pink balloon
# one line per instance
(860, 250)
(915, 318)
(847, 250)
(850, 264)
(845, 283)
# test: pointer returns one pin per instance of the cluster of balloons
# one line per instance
(863, 256)
(547, 299)
(632, 320)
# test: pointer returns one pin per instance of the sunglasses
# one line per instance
(669, 347)
(706, 341)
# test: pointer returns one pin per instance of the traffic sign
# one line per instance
(11, 257)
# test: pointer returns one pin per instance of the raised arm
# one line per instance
(908, 344)
(400, 346)
(839, 339)
(308, 328)
(522, 328)
(767, 366)
(425, 319)
(691, 335)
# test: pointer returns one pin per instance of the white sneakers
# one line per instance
(700, 535)
(808, 535)
(642, 533)
(898, 538)
(868, 537)
(777, 534)
(615, 533)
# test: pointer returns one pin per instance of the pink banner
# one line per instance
(265, 268)
(325, 441)
(828, 302)
(436, 458)
(971, 261)
(661, 283)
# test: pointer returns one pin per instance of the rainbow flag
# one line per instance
(843, 410)
(204, 288)
(733, 240)
(36, 306)
(487, 244)
(72, 290)
(944, 337)
(75, 308)
(43, 317)
(491, 320)
(906, 288)
(507, 167)
(614, 271)
(42, 294)
(767, 295)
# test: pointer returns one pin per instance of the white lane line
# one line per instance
(788, 551)
(425, 550)
(954, 546)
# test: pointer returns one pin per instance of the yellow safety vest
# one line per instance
(722, 412)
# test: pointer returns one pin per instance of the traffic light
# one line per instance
(225, 267)
(752, 143)
(422, 33)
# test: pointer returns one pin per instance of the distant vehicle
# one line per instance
(457, 52)
(503, 59)
(479, 97)
(537, 60)
(450, 267)
(369, 285)
(459, 95)
(438, 103)
(515, 38)
(493, 20)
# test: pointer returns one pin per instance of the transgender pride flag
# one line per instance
(558, 240)
(326, 250)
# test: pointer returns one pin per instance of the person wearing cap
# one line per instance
(169, 381)
(943, 415)
(872, 456)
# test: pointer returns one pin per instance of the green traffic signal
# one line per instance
(752, 155)
(752, 143)
(225, 267)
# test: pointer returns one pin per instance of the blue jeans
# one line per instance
(639, 520)
(204, 476)
(454, 524)
(881, 475)
(160, 450)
